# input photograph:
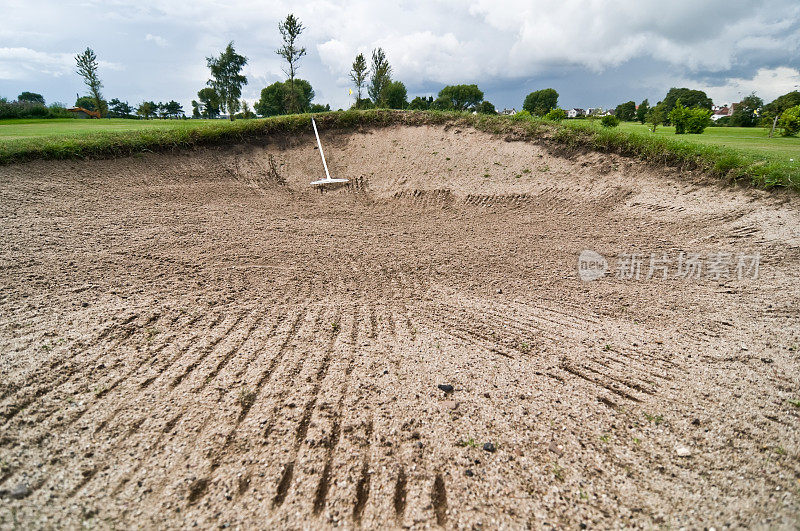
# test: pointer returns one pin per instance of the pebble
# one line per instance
(499, 291)
(489, 447)
(682, 451)
(447, 388)
(450, 404)
(469, 473)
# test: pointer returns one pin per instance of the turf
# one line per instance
(733, 154)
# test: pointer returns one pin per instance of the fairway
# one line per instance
(36, 128)
(754, 140)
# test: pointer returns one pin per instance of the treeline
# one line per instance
(690, 111)
(31, 105)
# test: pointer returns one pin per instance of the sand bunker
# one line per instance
(202, 338)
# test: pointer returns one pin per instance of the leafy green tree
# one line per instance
(744, 113)
(173, 109)
(689, 98)
(459, 97)
(274, 98)
(359, 76)
(86, 102)
(642, 110)
(421, 104)
(31, 97)
(196, 109)
(556, 115)
(790, 121)
(395, 95)
(246, 113)
(380, 76)
(290, 29)
(318, 107)
(539, 102)
(626, 112)
(119, 109)
(87, 68)
(781, 103)
(655, 117)
(209, 102)
(485, 107)
(609, 120)
(147, 109)
(227, 78)
(689, 120)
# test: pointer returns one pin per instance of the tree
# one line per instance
(196, 109)
(655, 117)
(642, 110)
(459, 97)
(689, 120)
(485, 107)
(290, 29)
(744, 112)
(689, 98)
(781, 103)
(119, 109)
(556, 115)
(209, 102)
(173, 109)
(87, 68)
(421, 104)
(86, 102)
(395, 95)
(626, 112)
(31, 97)
(359, 76)
(226, 71)
(790, 121)
(381, 75)
(540, 102)
(609, 120)
(318, 107)
(146, 109)
(274, 98)
(246, 113)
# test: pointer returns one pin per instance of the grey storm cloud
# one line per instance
(593, 53)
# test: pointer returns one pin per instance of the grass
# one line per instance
(733, 154)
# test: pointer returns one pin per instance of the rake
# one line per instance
(327, 179)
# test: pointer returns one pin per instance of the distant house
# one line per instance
(721, 112)
(508, 112)
(574, 113)
(80, 112)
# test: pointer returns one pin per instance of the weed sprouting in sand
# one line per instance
(524, 347)
(795, 403)
(656, 419)
(468, 442)
(151, 333)
(558, 472)
(605, 438)
(335, 327)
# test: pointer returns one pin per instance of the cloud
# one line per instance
(159, 41)
(767, 83)
(19, 63)
(595, 51)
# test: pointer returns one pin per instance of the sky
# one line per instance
(594, 53)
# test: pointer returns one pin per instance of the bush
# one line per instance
(556, 115)
(790, 121)
(522, 115)
(692, 121)
(609, 121)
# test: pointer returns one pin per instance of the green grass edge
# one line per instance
(566, 137)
